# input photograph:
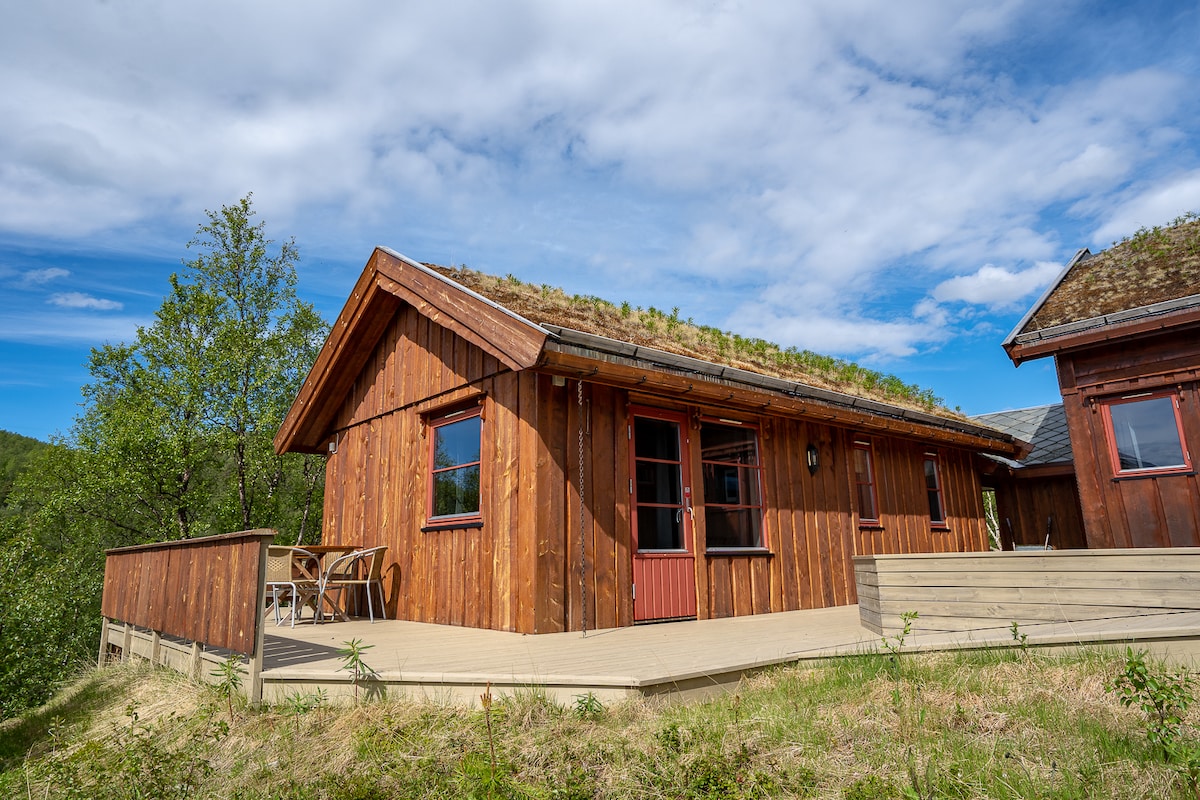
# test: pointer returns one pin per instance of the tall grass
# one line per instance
(998, 724)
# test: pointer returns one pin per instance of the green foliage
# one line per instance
(1164, 697)
(15, 453)
(229, 680)
(894, 644)
(175, 440)
(353, 662)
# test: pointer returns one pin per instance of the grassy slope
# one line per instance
(998, 725)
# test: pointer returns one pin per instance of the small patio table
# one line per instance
(324, 552)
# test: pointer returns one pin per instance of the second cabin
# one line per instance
(538, 463)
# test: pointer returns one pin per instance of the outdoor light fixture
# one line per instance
(811, 455)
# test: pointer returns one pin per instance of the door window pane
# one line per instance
(658, 479)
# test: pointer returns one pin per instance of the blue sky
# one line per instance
(893, 183)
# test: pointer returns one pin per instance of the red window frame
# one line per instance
(868, 453)
(1110, 434)
(755, 469)
(934, 493)
(432, 470)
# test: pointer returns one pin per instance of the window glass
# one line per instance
(864, 479)
(455, 468)
(732, 486)
(1146, 434)
(933, 489)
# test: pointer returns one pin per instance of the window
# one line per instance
(454, 465)
(933, 490)
(732, 486)
(1145, 434)
(864, 479)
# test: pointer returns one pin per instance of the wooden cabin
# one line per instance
(1123, 327)
(530, 471)
(1037, 500)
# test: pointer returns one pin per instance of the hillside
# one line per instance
(996, 724)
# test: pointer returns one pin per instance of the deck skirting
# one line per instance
(955, 592)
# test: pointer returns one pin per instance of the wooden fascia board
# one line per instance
(682, 388)
(515, 342)
(1052, 345)
(387, 281)
(356, 331)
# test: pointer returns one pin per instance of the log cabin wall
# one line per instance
(810, 520)
(521, 570)
(1029, 506)
(1147, 510)
(376, 482)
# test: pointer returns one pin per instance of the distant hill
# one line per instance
(15, 452)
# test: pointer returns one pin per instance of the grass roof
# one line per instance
(652, 327)
(1152, 266)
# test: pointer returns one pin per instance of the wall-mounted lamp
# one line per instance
(812, 456)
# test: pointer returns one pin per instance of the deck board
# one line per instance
(679, 658)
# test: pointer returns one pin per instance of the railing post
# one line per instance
(127, 643)
(102, 659)
(256, 658)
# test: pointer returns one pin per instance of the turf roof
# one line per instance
(666, 331)
(1152, 266)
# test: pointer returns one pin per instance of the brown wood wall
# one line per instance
(521, 570)
(1025, 504)
(1161, 511)
(204, 590)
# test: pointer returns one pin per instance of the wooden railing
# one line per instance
(979, 591)
(208, 591)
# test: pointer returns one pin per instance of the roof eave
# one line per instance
(1009, 341)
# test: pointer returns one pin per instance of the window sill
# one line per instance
(722, 552)
(870, 525)
(1153, 473)
(941, 527)
(452, 525)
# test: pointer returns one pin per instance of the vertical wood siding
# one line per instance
(1148, 511)
(205, 590)
(522, 570)
(1025, 504)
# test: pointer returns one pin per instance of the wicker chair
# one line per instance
(283, 581)
(359, 568)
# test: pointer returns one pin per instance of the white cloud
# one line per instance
(71, 327)
(1154, 203)
(808, 149)
(996, 287)
(37, 277)
(81, 300)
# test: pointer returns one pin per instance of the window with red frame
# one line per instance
(933, 490)
(864, 479)
(454, 463)
(1145, 434)
(732, 486)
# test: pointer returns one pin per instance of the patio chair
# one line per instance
(359, 568)
(282, 580)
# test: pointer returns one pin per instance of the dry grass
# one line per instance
(950, 725)
(1152, 266)
(666, 331)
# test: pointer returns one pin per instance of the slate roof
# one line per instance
(1045, 427)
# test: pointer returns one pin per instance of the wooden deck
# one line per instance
(681, 659)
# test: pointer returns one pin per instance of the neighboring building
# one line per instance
(1036, 498)
(463, 424)
(1123, 327)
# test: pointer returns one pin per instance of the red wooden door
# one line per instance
(664, 561)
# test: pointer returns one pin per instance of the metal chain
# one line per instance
(582, 543)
